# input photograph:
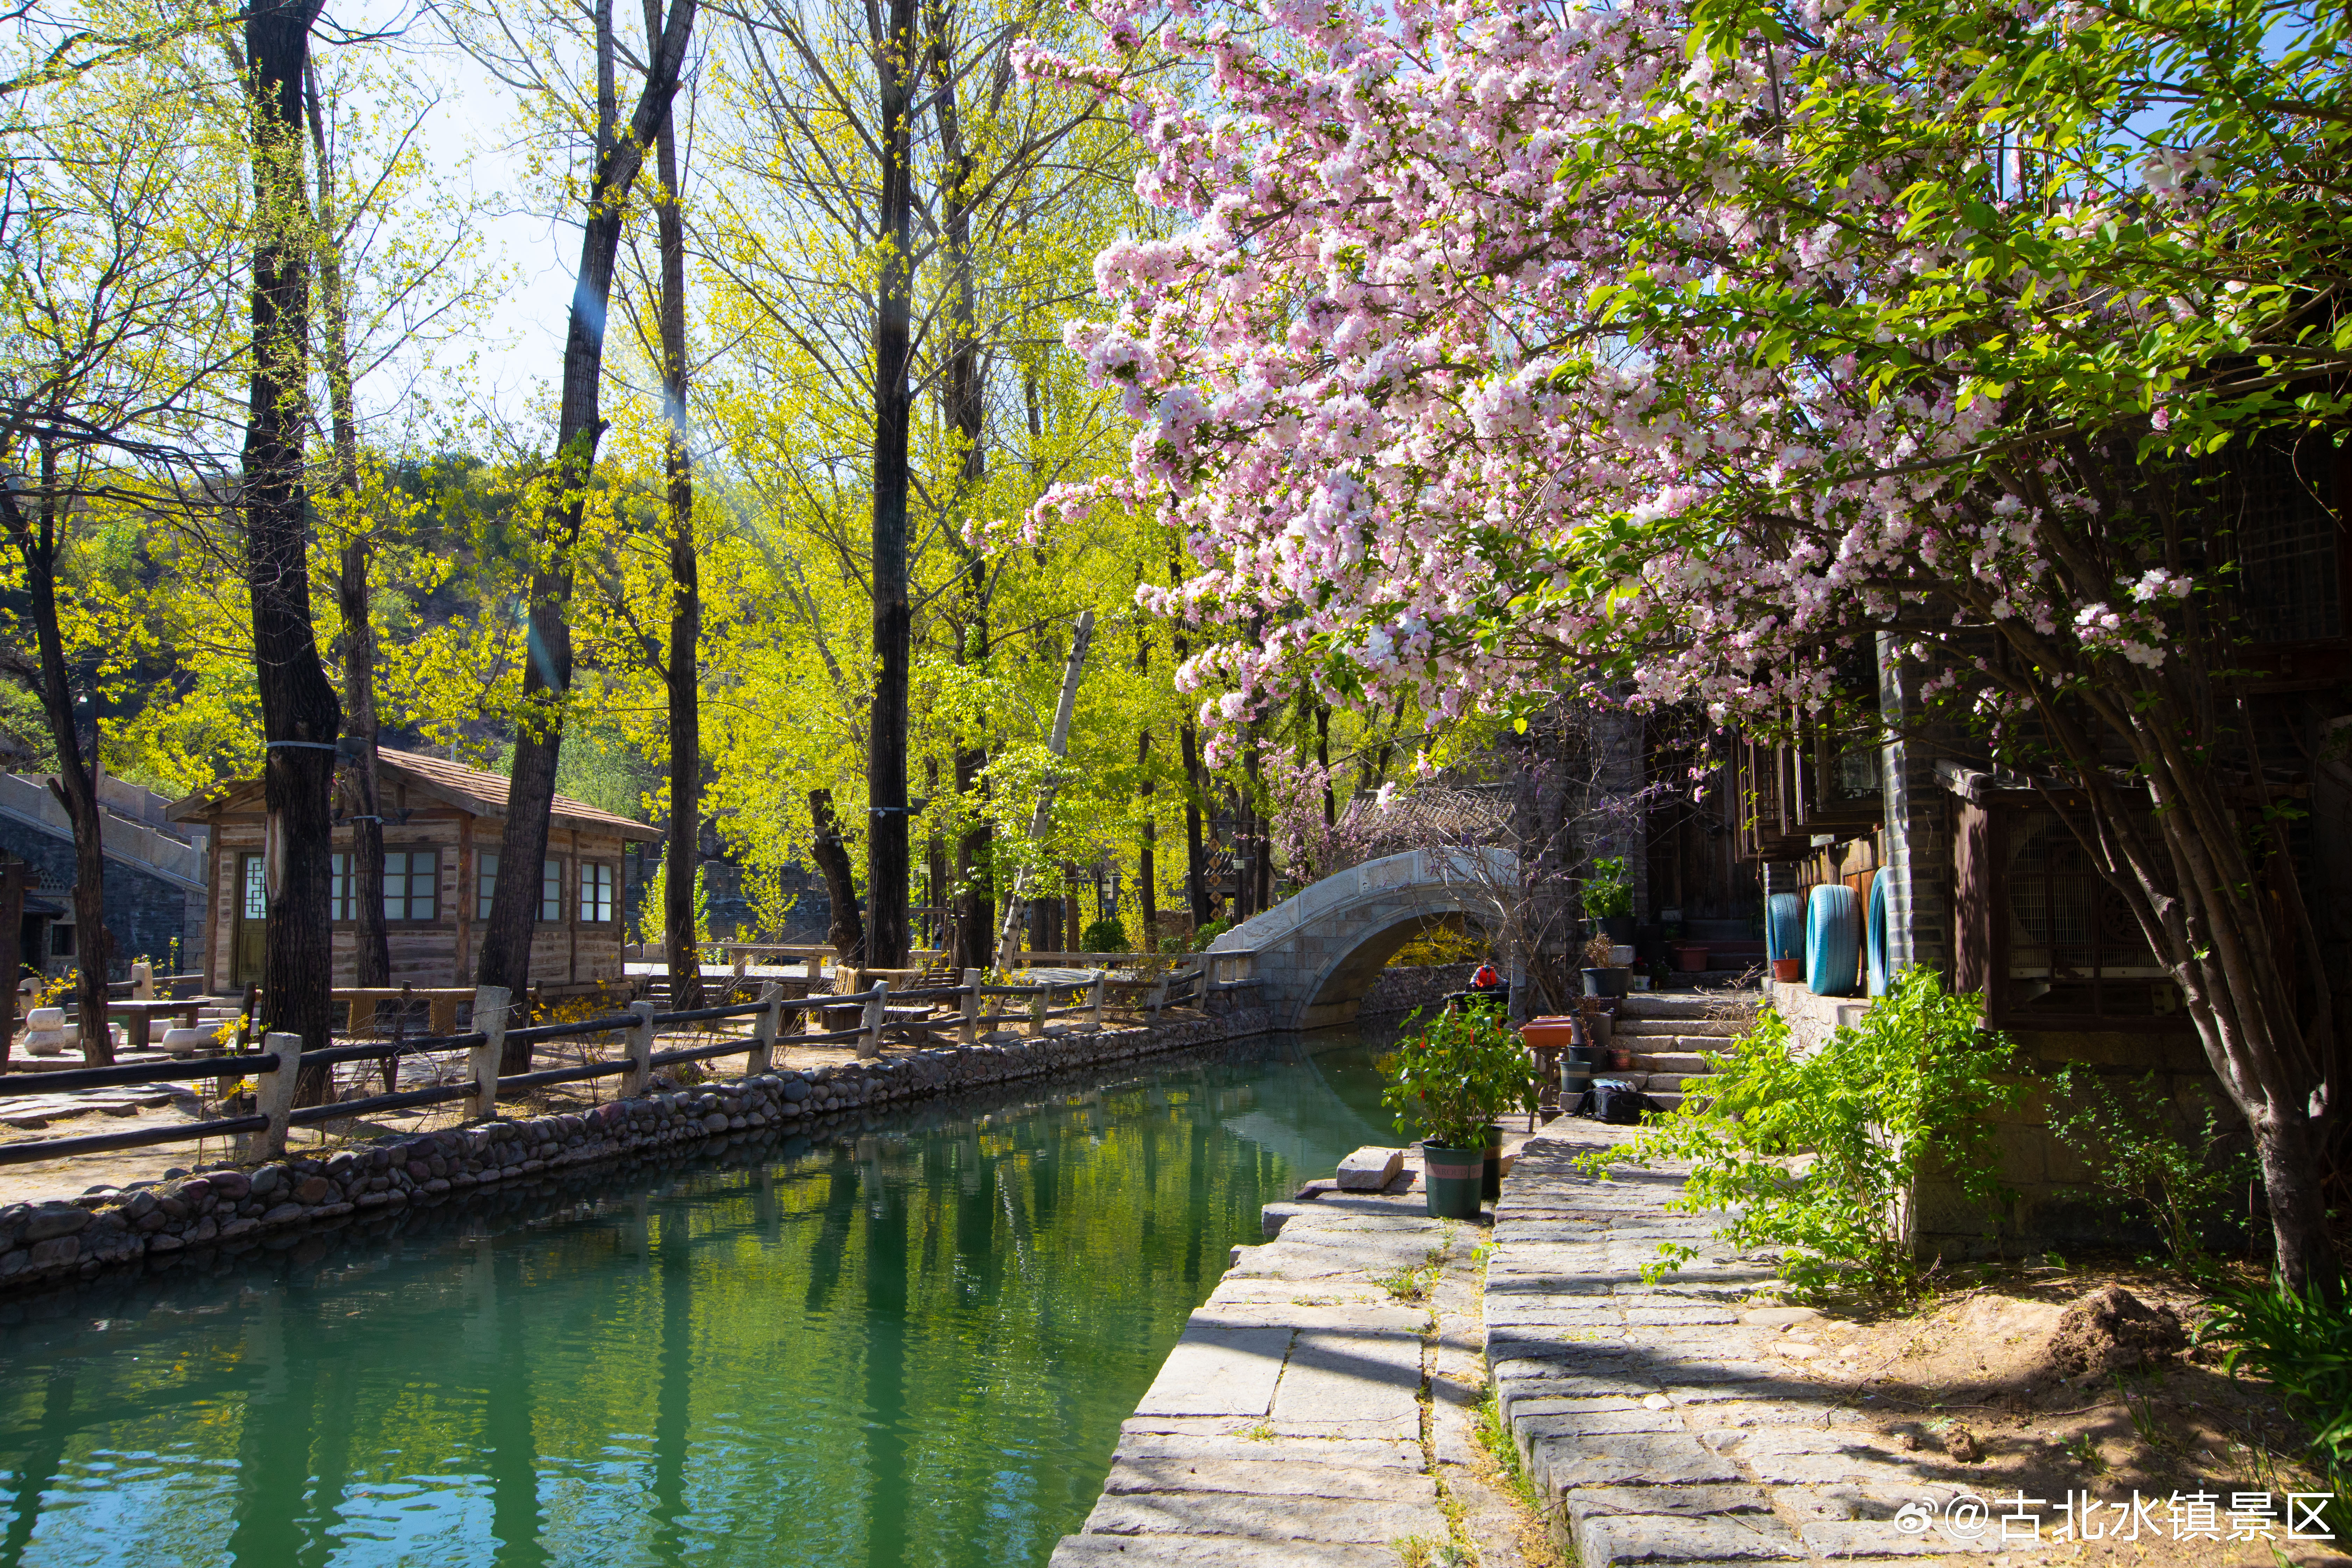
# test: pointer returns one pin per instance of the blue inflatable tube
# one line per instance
(1784, 926)
(1873, 937)
(1833, 941)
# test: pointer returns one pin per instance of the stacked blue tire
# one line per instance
(1873, 938)
(1784, 926)
(1833, 941)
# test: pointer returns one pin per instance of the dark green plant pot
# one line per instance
(1450, 1180)
(1490, 1185)
(1575, 1077)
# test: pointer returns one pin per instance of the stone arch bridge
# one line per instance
(1316, 952)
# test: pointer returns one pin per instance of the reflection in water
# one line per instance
(914, 1347)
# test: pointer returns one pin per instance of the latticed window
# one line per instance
(596, 892)
(412, 881)
(2288, 546)
(486, 882)
(339, 887)
(2073, 946)
(551, 890)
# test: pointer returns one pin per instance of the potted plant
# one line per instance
(1601, 976)
(1454, 1075)
(1609, 898)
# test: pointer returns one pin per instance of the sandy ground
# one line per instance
(1974, 1368)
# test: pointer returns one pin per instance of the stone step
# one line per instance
(1670, 1061)
(1686, 1028)
(1687, 1004)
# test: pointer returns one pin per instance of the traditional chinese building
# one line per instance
(442, 827)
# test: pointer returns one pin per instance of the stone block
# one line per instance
(1198, 1552)
(1352, 1377)
(1334, 1520)
(1637, 1459)
(1219, 1372)
(1269, 1477)
(1605, 1540)
(1369, 1169)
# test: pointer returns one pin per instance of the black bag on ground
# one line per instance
(1614, 1101)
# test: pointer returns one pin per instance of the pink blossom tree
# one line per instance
(1669, 353)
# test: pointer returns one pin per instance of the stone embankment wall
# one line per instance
(1402, 987)
(226, 1207)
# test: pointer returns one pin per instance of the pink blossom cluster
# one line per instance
(1444, 390)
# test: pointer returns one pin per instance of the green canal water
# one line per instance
(915, 1348)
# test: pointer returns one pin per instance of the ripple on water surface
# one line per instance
(912, 1348)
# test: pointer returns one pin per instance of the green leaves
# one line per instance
(1455, 1073)
(1817, 1153)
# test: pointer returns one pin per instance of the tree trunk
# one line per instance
(1147, 874)
(976, 905)
(846, 930)
(885, 767)
(960, 393)
(370, 944)
(1058, 743)
(935, 868)
(684, 669)
(76, 785)
(299, 715)
(1196, 852)
(1323, 762)
(546, 676)
(1188, 749)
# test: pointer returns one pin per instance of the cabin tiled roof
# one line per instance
(475, 790)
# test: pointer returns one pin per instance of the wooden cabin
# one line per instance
(442, 826)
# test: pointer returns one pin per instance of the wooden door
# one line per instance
(252, 921)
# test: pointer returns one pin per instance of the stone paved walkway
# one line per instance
(1654, 1420)
(1309, 1417)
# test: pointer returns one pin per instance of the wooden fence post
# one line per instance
(491, 1004)
(1102, 983)
(1038, 1006)
(972, 999)
(870, 1046)
(641, 1050)
(771, 1023)
(273, 1096)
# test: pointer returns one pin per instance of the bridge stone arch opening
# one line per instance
(1318, 952)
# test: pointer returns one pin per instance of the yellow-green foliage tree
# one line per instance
(1018, 186)
(117, 229)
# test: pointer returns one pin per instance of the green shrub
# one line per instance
(2303, 1344)
(1817, 1155)
(1209, 933)
(1454, 1074)
(1104, 936)
(2142, 1164)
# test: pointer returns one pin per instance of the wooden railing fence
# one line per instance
(968, 1017)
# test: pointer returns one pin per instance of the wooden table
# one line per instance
(139, 1017)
